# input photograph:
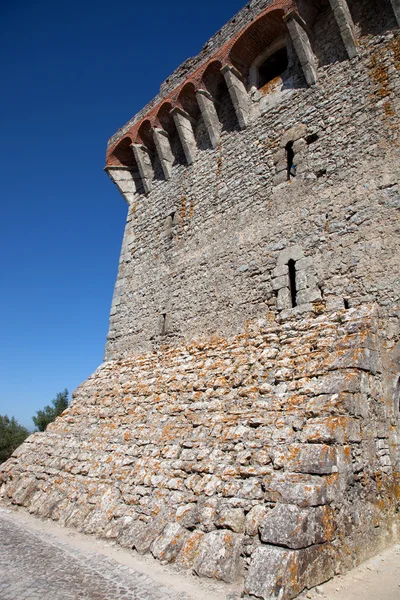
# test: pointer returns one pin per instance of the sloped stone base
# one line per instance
(270, 455)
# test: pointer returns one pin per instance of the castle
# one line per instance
(245, 423)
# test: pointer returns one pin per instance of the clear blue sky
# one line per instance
(73, 72)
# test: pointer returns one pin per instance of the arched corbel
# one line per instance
(396, 10)
(143, 159)
(210, 116)
(184, 125)
(302, 45)
(346, 26)
(164, 151)
(238, 94)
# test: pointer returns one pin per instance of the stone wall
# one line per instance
(256, 455)
(246, 421)
(200, 249)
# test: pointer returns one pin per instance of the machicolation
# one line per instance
(245, 423)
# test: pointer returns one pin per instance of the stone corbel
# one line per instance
(124, 179)
(238, 94)
(210, 116)
(184, 125)
(346, 26)
(396, 10)
(302, 45)
(164, 151)
(145, 167)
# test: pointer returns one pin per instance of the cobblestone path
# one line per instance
(36, 566)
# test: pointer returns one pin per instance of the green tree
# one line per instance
(50, 413)
(11, 436)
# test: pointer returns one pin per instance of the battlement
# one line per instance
(269, 140)
(270, 46)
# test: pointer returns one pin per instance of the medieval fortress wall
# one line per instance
(246, 421)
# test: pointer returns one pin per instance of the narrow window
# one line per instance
(312, 138)
(292, 282)
(346, 303)
(272, 67)
(291, 169)
(164, 325)
(397, 398)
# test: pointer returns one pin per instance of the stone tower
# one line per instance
(245, 423)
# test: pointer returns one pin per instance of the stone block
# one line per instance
(280, 271)
(346, 25)
(305, 281)
(189, 550)
(188, 516)
(331, 430)
(167, 546)
(292, 253)
(231, 518)
(280, 282)
(314, 459)
(24, 490)
(293, 527)
(129, 532)
(293, 134)
(279, 156)
(308, 295)
(305, 264)
(280, 178)
(300, 489)
(333, 383)
(355, 358)
(219, 556)
(254, 518)
(279, 574)
(143, 537)
(284, 299)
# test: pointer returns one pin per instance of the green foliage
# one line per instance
(50, 413)
(11, 436)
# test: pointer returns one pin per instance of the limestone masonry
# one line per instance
(245, 423)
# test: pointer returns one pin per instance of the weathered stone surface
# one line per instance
(167, 546)
(188, 516)
(143, 537)
(252, 354)
(304, 490)
(189, 550)
(316, 459)
(293, 527)
(279, 574)
(130, 533)
(219, 556)
(254, 519)
(231, 518)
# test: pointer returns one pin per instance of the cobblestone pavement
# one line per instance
(36, 566)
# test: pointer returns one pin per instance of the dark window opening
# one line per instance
(291, 167)
(397, 397)
(320, 173)
(164, 325)
(312, 138)
(346, 303)
(275, 65)
(292, 282)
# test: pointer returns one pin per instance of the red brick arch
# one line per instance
(240, 52)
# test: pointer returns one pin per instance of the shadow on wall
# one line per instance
(372, 17)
